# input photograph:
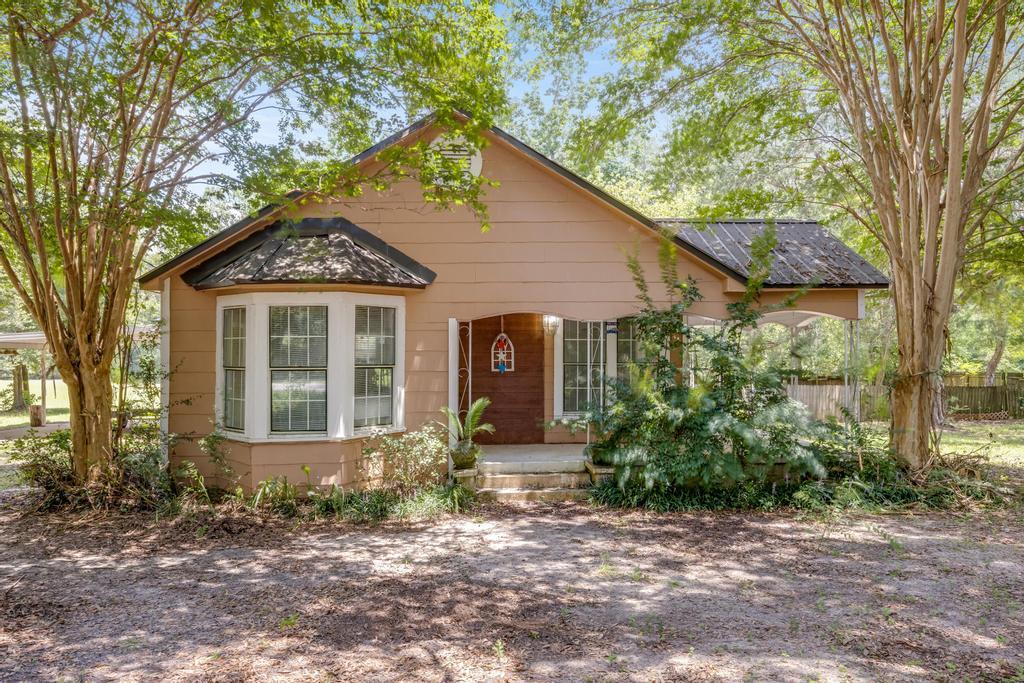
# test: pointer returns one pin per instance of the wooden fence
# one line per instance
(963, 402)
(822, 400)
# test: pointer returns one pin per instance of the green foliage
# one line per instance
(46, 464)
(276, 495)
(377, 505)
(465, 451)
(734, 424)
(862, 475)
(404, 463)
(143, 481)
(7, 399)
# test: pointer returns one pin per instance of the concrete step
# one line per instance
(532, 495)
(532, 466)
(546, 480)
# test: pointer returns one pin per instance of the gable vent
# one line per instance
(458, 148)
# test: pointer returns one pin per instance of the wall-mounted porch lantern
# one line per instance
(550, 324)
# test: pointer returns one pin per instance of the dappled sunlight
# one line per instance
(536, 592)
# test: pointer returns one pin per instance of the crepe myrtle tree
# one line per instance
(114, 112)
(903, 118)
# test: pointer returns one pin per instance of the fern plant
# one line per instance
(465, 451)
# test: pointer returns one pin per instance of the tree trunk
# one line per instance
(916, 400)
(91, 399)
(20, 387)
(995, 358)
(911, 426)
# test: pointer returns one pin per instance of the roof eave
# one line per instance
(308, 283)
(827, 285)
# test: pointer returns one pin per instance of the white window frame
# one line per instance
(340, 363)
(222, 370)
(559, 378)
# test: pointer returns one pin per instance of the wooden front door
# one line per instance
(517, 396)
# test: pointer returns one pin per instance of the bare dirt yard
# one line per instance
(562, 592)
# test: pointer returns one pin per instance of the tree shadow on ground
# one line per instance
(559, 592)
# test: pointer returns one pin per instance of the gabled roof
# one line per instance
(313, 250)
(291, 198)
(723, 251)
(805, 253)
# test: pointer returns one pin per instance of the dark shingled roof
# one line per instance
(313, 250)
(805, 253)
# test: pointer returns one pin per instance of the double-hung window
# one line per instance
(374, 366)
(583, 357)
(233, 366)
(298, 368)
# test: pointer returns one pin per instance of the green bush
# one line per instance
(277, 495)
(734, 424)
(407, 462)
(376, 505)
(139, 479)
(862, 475)
(45, 463)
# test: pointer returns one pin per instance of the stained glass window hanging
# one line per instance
(503, 353)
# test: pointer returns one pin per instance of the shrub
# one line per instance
(735, 424)
(375, 505)
(7, 399)
(46, 465)
(409, 461)
(277, 495)
(139, 478)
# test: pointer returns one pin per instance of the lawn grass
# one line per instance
(1002, 441)
(56, 404)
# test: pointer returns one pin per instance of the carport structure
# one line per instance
(12, 342)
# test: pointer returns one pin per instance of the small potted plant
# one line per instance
(464, 451)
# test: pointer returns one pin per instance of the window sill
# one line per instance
(358, 435)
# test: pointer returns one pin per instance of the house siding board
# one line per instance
(551, 249)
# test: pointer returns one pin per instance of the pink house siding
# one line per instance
(553, 248)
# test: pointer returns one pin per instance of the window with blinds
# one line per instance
(298, 362)
(233, 366)
(582, 365)
(374, 366)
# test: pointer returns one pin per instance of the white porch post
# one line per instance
(165, 365)
(42, 381)
(453, 379)
(853, 339)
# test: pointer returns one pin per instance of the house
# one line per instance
(303, 328)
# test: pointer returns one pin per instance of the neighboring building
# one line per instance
(303, 328)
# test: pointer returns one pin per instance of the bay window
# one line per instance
(233, 367)
(310, 365)
(298, 361)
(374, 365)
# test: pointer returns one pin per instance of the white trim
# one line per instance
(611, 349)
(453, 374)
(559, 377)
(165, 365)
(340, 363)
